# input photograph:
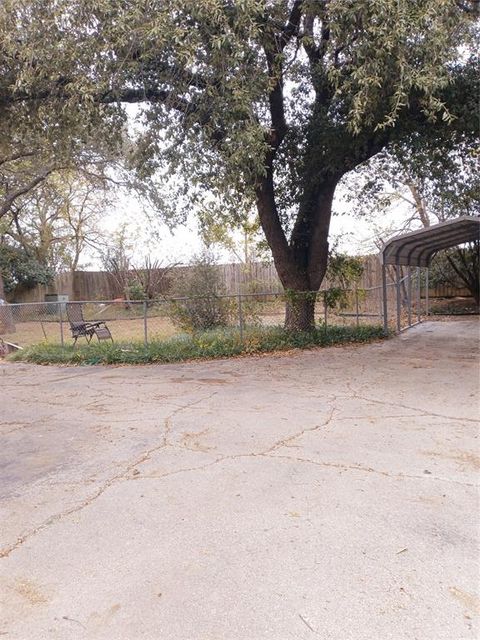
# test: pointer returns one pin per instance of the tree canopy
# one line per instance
(427, 183)
(430, 180)
(270, 102)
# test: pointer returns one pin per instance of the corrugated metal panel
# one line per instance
(418, 247)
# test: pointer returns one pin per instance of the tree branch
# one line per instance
(17, 156)
(143, 95)
(272, 228)
(10, 198)
(273, 48)
(275, 100)
(111, 96)
(293, 24)
(419, 202)
(308, 43)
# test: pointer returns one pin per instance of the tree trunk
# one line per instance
(300, 311)
(301, 264)
(2, 290)
(6, 318)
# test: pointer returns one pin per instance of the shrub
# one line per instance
(200, 305)
(136, 291)
(21, 270)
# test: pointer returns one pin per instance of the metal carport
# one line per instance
(416, 249)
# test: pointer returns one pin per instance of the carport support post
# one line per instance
(397, 273)
(427, 286)
(384, 301)
(409, 295)
(419, 273)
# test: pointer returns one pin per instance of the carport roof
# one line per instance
(418, 247)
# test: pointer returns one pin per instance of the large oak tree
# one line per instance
(270, 102)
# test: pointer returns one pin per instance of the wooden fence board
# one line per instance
(237, 278)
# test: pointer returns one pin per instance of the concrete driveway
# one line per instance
(323, 494)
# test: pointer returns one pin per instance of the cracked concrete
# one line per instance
(327, 493)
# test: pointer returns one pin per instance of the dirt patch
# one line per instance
(192, 441)
(462, 458)
(472, 603)
(30, 592)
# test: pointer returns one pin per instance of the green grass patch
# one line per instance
(209, 344)
(454, 308)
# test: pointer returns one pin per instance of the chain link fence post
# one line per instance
(240, 316)
(60, 320)
(357, 319)
(145, 323)
(325, 310)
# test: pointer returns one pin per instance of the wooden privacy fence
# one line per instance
(237, 278)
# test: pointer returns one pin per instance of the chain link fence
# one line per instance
(145, 321)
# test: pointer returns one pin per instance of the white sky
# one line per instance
(155, 239)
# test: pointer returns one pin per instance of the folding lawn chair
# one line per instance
(80, 328)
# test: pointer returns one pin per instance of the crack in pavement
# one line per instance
(422, 412)
(363, 468)
(267, 453)
(5, 552)
(328, 465)
(285, 441)
(159, 476)
(169, 418)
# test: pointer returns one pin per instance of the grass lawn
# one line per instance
(34, 332)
